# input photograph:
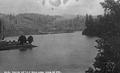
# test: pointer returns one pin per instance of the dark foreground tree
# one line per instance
(108, 57)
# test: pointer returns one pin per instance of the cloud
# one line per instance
(36, 6)
(77, 7)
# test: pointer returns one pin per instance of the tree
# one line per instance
(108, 57)
(0, 27)
(90, 26)
(89, 21)
(112, 8)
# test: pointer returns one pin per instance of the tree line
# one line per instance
(104, 24)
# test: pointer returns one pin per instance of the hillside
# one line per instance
(40, 24)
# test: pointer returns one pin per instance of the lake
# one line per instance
(66, 52)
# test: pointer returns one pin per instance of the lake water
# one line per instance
(67, 52)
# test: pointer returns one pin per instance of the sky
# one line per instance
(71, 7)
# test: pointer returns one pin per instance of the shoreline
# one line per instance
(46, 33)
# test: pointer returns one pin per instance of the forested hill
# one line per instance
(30, 23)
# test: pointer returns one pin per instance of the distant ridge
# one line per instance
(31, 23)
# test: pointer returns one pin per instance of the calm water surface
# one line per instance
(67, 52)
